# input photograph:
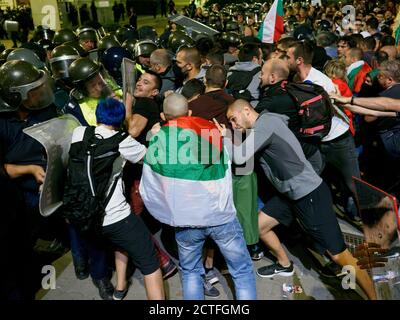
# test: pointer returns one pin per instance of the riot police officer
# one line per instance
(61, 58)
(90, 85)
(143, 50)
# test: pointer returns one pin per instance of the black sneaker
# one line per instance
(276, 270)
(120, 294)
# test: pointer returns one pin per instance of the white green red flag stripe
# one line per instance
(272, 28)
(186, 178)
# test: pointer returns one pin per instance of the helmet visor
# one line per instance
(42, 95)
(59, 68)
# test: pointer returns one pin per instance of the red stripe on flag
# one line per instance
(279, 28)
(204, 128)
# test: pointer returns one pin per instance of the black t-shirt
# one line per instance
(386, 123)
(149, 109)
(276, 100)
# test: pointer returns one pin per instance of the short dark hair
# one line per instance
(349, 40)
(388, 41)
(248, 51)
(286, 42)
(373, 23)
(358, 38)
(380, 57)
(192, 88)
(369, 43)
(192, 55)
(215, 57)
(216, 76)
(303, 49)
(204, 45)
(157, 78)
(326, 38)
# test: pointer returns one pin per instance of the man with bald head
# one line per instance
(161, 63)
(357, 69)
(275, 99)
(189, 61)
(175, 106)
(298, 191)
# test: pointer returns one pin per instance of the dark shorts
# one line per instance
(315, 214)
(131, 235)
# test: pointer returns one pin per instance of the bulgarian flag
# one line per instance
(272, 28)
(357, 76)
(186, 178)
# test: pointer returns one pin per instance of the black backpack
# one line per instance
(238, 82)
(88, 175)
(314, 107)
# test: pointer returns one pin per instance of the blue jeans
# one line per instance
(88, 252)
(230, 240)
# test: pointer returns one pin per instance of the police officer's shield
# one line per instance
(55, 135)
(192, 27)
(128, 76)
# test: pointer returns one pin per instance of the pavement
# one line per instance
(315, 286)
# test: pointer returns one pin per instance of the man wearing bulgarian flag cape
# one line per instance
(272, 28)
(187, 183)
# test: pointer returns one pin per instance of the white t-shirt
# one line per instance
(338, 126)
(130, 150)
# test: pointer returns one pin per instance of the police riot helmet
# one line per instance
(130, 45)
(83, 69)
(179, 39)
(43, 32)
(87, 33)
(126, 33)
(112, 61)
(26, 55)
(21, 81)
(107, 42)
(61, 58)
(64, 35)
(148, 33)
(75, 44)
(144, 48)
(232, 26)
(231, 39)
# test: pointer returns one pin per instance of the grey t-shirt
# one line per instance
(280, 155)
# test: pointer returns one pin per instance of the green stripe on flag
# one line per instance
(181, 153)
(279, 10)
(352, 76)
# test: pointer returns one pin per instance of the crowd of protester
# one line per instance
(238, 83)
